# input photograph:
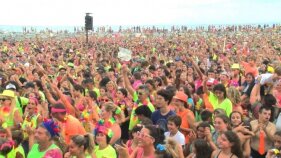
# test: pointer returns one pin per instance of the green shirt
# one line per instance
(13, 153)
(133, 118)
(95, 90)
(42, 96)
(20, 103)
(34, 152)
(9, 117)
(226, 104)
(108, 152)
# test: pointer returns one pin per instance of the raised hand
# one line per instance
(29, 130)
(125, 68)
(208, 134)
(122, 149)
(205, 78)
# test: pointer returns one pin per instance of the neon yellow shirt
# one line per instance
(34, 152)
(13, 153)
(226, 104)
(23, 102)
(108, 152)
(133, 118)
(95, 90)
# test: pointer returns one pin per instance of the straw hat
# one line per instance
(7, 94)
(235, 66)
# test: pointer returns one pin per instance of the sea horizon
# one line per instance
(20, 28)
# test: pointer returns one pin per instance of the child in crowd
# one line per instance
(174, 123)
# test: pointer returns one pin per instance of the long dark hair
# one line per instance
(233, 112)
(86, 141)
(225, 119)
(234, 139)
(157, 134)
(203, 149)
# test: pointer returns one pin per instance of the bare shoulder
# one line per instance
(214, 153)
(234, 156)
(254, 123)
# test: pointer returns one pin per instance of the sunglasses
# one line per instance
(140, 93)
(103, 100)
(3, 99)
(142, 135)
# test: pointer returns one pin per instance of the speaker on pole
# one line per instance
(88, 22)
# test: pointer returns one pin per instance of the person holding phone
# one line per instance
(242, 130)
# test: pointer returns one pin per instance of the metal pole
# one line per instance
(87, 38)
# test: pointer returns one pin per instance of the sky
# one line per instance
(139, 12)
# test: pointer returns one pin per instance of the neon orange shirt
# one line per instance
(184, 123)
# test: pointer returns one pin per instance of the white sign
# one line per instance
(124, 54)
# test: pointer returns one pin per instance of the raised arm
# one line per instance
(128, 85)
(46, 91)
(30, 131)
(70, 109)
(255, 94)
(197, 69)
(209, 139)
(205, 88)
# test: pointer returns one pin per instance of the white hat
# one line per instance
(11, 86)
(26, 64)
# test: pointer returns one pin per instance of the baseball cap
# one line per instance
(62, 68)
(224, 73)
(29, 85)
(177, 59)
(181, 96)
(11, 86)
(235, 66)
(210, 82)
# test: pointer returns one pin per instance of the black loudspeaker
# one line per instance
(88, 22)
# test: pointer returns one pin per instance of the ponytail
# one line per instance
(60, 143)
(117, 113)
(87, 141)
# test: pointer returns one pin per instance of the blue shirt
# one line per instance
(160, 120)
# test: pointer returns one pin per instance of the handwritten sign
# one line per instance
(124, 54)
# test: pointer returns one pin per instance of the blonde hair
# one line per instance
(233, 95)
(278, 70)
(117, 114)
(113, 83)
(172, 147)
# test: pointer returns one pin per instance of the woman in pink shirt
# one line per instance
(149, 137)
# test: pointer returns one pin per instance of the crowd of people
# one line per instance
(212, 93)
